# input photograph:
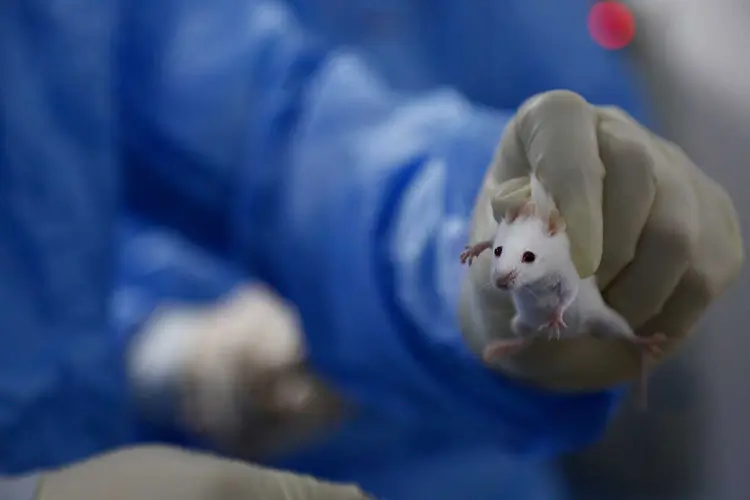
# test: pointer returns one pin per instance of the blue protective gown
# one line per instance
(167, 150)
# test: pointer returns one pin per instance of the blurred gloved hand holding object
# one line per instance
(237, 371)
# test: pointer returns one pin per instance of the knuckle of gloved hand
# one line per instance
(548, 104)
(674, 223)
(710, 277)
(730, 236)
(676, 238)
(628, 153)
(703, 287)
(551, 101)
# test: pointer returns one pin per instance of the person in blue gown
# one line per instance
(169, 151)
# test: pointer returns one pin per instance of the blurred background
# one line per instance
(693, 442)
(692, 60)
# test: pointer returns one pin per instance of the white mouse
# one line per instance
(532, 262)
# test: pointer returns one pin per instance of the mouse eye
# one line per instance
(528, 257)
(498, 251)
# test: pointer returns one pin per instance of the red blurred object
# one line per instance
(611, 25)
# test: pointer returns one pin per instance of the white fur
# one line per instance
(528, 234)
(551, 281)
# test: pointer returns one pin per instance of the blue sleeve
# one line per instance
(208, 93)
(157, 265)
(373, 210)
(297, 163)
(61, 376)
(353, 201)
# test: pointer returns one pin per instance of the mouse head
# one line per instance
(527, 247)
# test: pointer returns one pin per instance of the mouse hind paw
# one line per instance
(652, 344)
(555, 325)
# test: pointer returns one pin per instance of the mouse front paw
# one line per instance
(473, 251)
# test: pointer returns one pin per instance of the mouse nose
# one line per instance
(504, 280)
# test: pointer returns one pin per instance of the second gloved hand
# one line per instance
(662, 238)
(150, 473)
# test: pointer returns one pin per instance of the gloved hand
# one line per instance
(662, 238)
(237, 372)
(151, 473)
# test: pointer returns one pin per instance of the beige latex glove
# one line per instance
(662, 238)
(237, 372)
(160, 473)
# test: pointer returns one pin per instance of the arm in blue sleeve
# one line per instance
(157, 265)
(373, 212)
(196, 89)
(349, 198)
(240, 134)
(63, 393)
(61, 377)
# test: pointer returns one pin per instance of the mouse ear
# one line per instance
(555, 223)
(512, 213)
(528, 210)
